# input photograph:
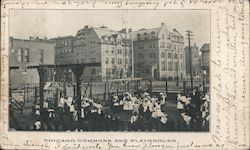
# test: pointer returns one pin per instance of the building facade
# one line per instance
(205, 57)
(98, 45)
(196, 61)
(159, 54)
(30, 52)
(64, 54)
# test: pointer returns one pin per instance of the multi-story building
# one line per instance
(31, 52)
(64, 50)
(64, 54)
(159, 54)
(111, 48)
(205, 56)
(196, 61)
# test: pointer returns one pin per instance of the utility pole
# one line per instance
(189, 34)
(178, 57)
(77, 70)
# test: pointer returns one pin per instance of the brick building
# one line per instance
(90, 44)
(205, 57)
(158, 53)
(64, 54)
(196, 61)
(29, 52)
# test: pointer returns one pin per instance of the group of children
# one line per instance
(122, 112)
(140, 112)
(194, 108)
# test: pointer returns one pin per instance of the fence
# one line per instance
(100, 90)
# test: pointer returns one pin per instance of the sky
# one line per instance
(54, 23)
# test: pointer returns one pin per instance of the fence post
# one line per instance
(184, 87)
(108, 91)
(35, 95)
(10, 92)
(166, 87)
(90, 90)
(74, 86)
(150, 87)
(117, 88)
(137, 85)
(24, 92)
(128, 86)
(105, 91)
(125, 86)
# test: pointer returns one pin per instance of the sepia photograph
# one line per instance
(109, 70)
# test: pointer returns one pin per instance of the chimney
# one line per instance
(129, 30)
(174, 29)
(104, 27)
(33, 38)
(123, 30)
(162, 24)
(86, 27)
(45, 38)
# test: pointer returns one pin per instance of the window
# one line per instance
(182, 65)
(92, 41)
(176, 65)
(145, 36)
(19, 55)
(152, 34)
(175, 56)
(126, 61)
(113, 50)
(170, 66)
(140, 56)
(152, 55)
(138, 36)
(162, 55)
(113, 61)
(181, 56)
(82, 60)
(169, 55)
(169, 45)
(119, 51)
(154, 45)
(77, 61)
(41, 55)
(93, 71)
(92, 59)
(107, 60)
(162, 36)
(119, 41)
(113, 71)
(150, 45)
(119, 61)
(107, 71)
(163, 65)
(142, 46)
(162, 44)
(168, 37)
(107, 49)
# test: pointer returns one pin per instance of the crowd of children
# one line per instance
(122, 112)
(194, 109)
